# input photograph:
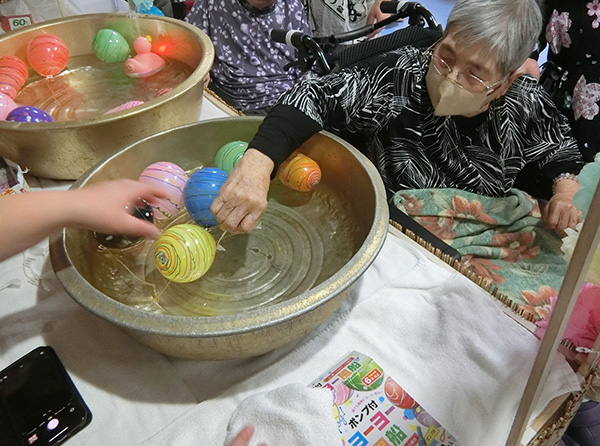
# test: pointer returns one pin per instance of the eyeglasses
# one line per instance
(469, 82)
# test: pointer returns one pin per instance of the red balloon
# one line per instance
(47, 54)
(13, 75)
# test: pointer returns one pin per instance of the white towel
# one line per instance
(274, 415)
(440, 336)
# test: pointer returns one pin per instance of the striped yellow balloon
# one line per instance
(301, 173)
(184, 253)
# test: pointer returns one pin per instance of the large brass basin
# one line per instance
(251, 332)
(65, 150)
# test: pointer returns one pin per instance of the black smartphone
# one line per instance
(39, 404)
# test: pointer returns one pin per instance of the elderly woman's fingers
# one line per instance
(561, 216)
(243, 198)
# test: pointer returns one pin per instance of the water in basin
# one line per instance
(302, 240)
(92, 87)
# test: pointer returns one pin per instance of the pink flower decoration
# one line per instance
(584, 324)
(557, 31)
(594, 9)
(585, 97)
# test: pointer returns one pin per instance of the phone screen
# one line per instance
(39, 404)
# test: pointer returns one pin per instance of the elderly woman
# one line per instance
(249, 71)
(455, 116)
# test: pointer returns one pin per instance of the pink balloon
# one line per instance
(47, 54)
(6, 105)
(125, 106)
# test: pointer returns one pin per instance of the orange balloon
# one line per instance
(301, 173)
(47, 54)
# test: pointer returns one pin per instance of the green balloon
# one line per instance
(228, 155)
(110, 46)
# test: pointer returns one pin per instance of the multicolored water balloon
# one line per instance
(172, 179)
(184, 253)
(27, 113)
(110, 46)
(300, 172)
(126, 106)
(13, 75)
(229, 155)
(47, 54)
(6, 105)
(199, 193)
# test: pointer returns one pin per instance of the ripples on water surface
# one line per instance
(302, 240)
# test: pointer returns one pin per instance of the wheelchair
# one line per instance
(325, 54)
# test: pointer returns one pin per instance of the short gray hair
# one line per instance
(509, 29)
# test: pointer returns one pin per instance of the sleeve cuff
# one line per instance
(283, 130)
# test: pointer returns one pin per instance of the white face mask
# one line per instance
(450, 99)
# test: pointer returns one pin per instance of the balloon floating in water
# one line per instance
(229, 155)
(145, 63)
(184, 253)
(170, 178)
(301, 173)
(13, 75)
(47, 54)
(6, 105)
(200, 191)
(110, 46)
(163, 91)
(125, 106)
(27, 113)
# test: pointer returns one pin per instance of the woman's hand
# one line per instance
(244, 437)
(560, 212)
(107, 207)
(375, 15)
(243, 198)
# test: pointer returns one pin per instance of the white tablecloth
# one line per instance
(439, 335)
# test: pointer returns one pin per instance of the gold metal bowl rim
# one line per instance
(193, 79)
(217, 326)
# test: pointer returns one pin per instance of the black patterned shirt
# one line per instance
(383, 108)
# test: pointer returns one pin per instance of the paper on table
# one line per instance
(434, 330)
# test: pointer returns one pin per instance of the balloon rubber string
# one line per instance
(103, 248)
(219, 246)
(156, 296)
(157, 208)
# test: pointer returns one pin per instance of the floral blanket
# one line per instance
(500, 239)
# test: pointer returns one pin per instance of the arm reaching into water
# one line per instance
(26, 219)
(243, 198)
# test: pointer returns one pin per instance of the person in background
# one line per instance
(250, 70)
(571, 75)
(572, 71)
(327, 17)
(458, 115)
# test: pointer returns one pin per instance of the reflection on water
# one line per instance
(93, 87)
(301, 241)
